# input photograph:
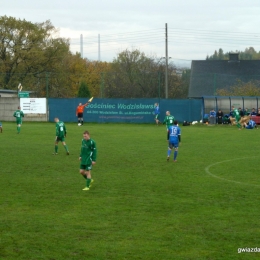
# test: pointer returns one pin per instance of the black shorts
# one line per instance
(80, 115)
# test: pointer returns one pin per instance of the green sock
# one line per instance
(56, 148)
(88, 182)
(66, 148)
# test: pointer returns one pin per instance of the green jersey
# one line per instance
(18, 114)
(236, 113)
(88, 151)
(61, 129)
(168, 120)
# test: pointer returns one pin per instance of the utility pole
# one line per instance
(99, 47)
(166, 61)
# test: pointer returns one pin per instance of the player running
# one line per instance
(19, 115)
(174, 137)
(61, 133)
(88, 155)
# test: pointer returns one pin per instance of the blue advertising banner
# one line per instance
(124, 110)
(121, 110)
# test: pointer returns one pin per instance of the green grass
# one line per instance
(205, 206)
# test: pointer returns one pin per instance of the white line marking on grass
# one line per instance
(223, 179)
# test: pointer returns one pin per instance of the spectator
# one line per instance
(241, 112)
(220, 116)
(246, 112)
(226, 119)
(258, 112)
(212, 117)
(231, 113)
(253, 113)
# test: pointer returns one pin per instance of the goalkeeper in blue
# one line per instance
(174, 137)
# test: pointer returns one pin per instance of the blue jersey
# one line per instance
(174, 132)
(212, 114)
(251, 123)
(157, 110)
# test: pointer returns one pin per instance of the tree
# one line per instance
(28, 51)
(94, 75)
(132, 75)
(83, 90)
(185, 82)
(68, 74)
(135, 75)
(221, 55)
(248, 54)
(250, 88)
(215, 56)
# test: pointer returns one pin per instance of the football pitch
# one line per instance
(204, 206)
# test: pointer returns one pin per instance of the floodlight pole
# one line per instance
(99, 47)
(81, 46)
(166, 61)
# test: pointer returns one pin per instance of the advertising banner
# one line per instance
(33, 105)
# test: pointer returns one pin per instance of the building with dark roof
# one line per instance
(209, 75)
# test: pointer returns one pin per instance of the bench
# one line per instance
(256, 119)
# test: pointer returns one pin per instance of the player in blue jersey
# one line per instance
(250, 125)
(156, 113)
(174, 137)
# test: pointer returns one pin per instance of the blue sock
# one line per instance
(175, 155)
(169, 153)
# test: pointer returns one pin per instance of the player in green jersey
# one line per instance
(236, 114)
(19, 115)
(168, 120)
(88, 155)
(61, 133)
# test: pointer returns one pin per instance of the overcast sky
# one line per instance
(196, 28)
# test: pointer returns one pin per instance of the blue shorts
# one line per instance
(173, 145)
(249, 127)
